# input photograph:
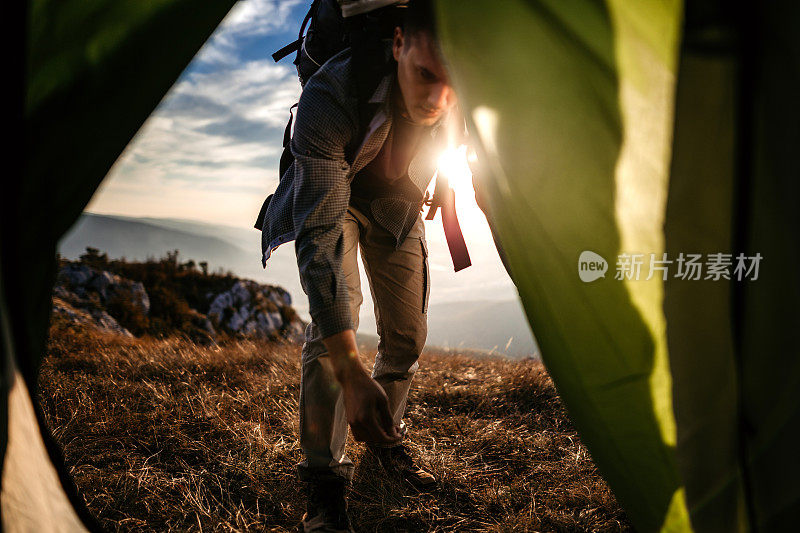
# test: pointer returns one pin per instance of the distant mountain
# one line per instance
(482, 325)
(139, 239)
(245, 238)
(479, 310)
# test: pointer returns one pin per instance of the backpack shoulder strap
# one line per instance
(295, 45)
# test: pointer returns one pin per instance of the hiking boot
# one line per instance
(326, 507)
(398, 460)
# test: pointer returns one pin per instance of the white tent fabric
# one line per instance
(32, 498)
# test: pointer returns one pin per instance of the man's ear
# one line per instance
(397, 43)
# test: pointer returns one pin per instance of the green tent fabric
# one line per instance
(735, 187)
(92, 72)
(574, 108)
(608, 127)
(572, 104)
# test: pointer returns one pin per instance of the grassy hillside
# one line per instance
(166, 435)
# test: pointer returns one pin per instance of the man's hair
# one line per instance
(419, 18)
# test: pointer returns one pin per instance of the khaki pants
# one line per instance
(399, 282)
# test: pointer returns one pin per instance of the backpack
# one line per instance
(324, 33)
(329, 32)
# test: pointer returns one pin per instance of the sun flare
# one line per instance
(453, 164)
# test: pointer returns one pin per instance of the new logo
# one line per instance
(591, 266)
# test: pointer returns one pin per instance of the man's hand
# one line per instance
(365, 402)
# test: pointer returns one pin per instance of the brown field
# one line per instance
(167, 435)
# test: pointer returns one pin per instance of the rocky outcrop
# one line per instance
(86, 295)
(83, 295)
(88, 316)
(254, 310)
(87, 283)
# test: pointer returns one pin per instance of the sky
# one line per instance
(210, 150)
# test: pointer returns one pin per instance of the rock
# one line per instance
(102, 284)
(95, 318)
(287, 298)
(277, 298)
(74, 276)
(268, 324)
(246, 309)
(254, 310)
(107, 322)
(239, 318)
(61, 308)
(295, 331)
(220, 303)
(60, 291)
(140, 297)
(240, 293)
(83, 281)
(233, 299)
(250, 328)
(83, 293)
(275, 319)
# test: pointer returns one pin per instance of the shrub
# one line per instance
(129, 315)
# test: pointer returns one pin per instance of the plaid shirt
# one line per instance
(313, 195)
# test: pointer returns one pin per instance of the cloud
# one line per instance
(247, 20)
(259, 17)
(217, 132)
(254, 90)
(224, 126)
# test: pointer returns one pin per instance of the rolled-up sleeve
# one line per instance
(323, 130)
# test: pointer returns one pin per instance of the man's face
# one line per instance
(423, 80)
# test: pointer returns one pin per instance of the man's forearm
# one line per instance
(365, 401)
(343, 353)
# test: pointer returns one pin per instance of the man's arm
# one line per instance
(321, 197)
(365, 402)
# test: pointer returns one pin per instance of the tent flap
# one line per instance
(94, 71)
(572, 106)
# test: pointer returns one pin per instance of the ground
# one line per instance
(169, 435)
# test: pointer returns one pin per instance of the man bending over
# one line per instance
(358, 181)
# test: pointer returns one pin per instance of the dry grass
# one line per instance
(166, 435)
